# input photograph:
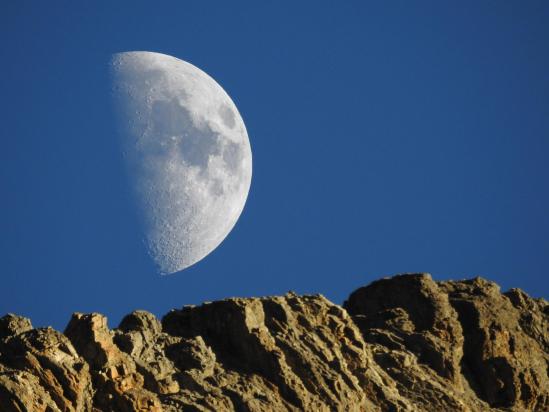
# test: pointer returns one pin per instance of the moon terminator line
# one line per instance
(187, 152)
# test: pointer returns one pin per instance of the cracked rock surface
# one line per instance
(405, 343)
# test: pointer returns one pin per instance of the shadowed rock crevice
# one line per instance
(405, 343)
(497, 350)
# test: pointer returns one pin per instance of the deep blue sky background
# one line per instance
(387, 137)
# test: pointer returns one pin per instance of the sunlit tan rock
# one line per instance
(405, 343)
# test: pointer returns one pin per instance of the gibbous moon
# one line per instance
(187, 152)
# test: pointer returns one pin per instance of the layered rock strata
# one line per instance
(405, 343)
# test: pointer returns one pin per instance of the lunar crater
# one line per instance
(227, 116)
(187, 152)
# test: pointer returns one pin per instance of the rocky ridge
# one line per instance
(405, 343)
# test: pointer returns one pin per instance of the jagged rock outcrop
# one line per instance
(405, 343)
(490, 349)
(40, 370)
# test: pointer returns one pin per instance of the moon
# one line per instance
(187, 153)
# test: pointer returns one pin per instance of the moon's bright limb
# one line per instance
(188, 154)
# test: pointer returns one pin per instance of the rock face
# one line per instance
(405, 343)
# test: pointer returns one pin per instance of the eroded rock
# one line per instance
(46, 360)
(11, 325)
(505, 366)
(116, 381)
(405, 343)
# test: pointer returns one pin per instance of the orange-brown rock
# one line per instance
(118, 386)
(41, 370)
(405, 343)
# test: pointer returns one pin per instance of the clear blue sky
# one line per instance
(388, 136)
